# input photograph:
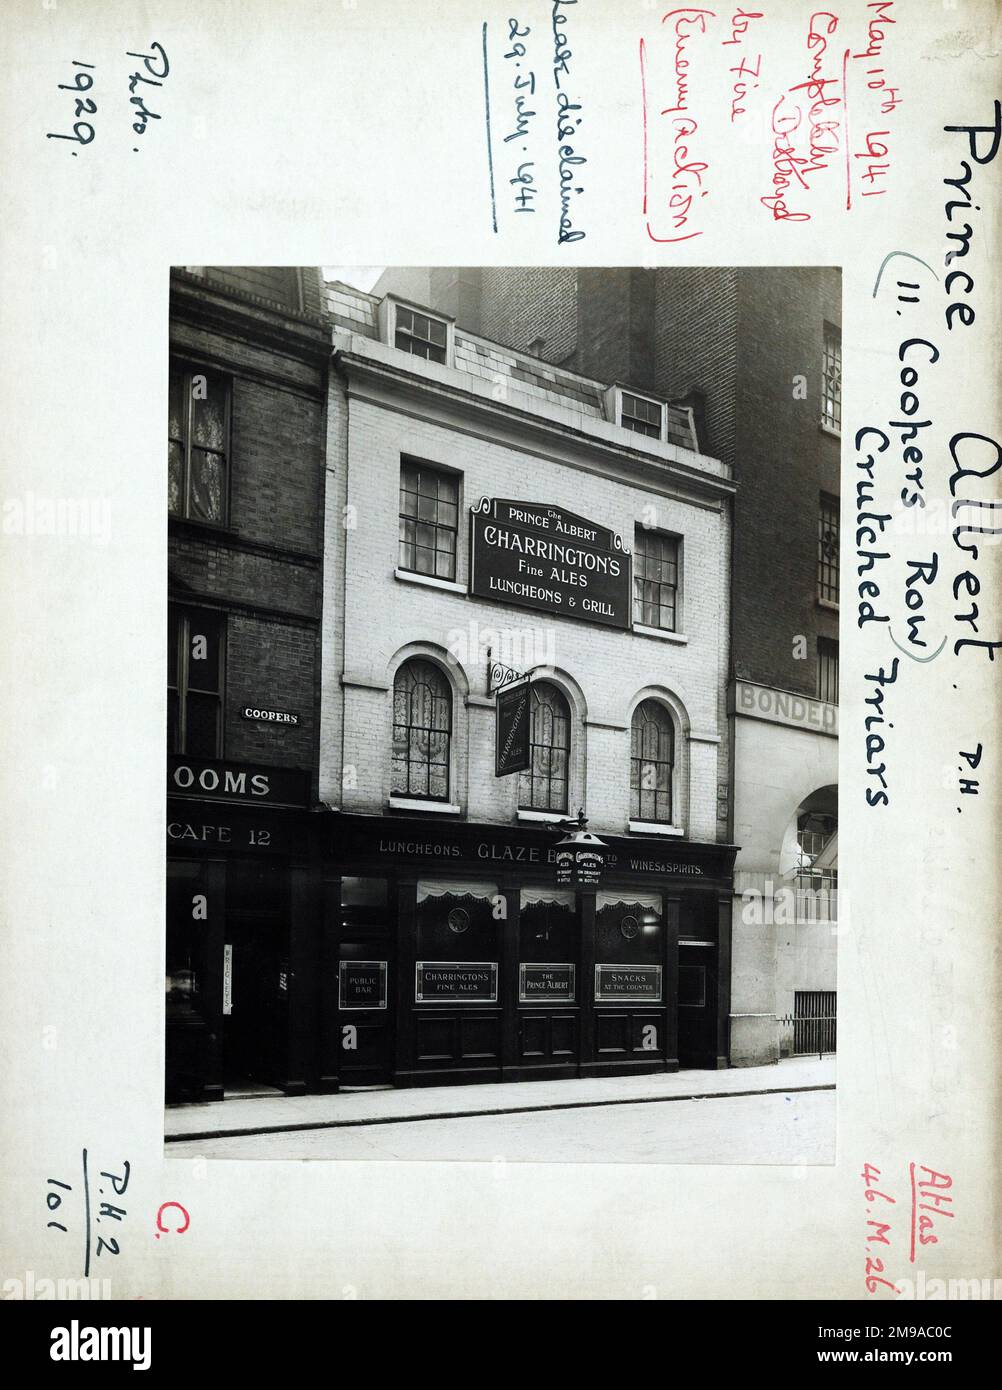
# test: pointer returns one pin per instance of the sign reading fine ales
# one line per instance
(542, 557)
(362, 984)
(538, 981)
(456, 982)
(511, 730)
(628, 982)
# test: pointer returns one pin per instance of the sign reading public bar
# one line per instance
(511, 745)
(456, 982)
(544, 981)
(542, 557)
(362, 984)
(614, 982)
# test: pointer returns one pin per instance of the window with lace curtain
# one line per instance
(422, 731)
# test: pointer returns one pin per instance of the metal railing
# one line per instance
(811, 1028)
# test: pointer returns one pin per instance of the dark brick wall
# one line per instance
(271, 598)
(521, 303)
(696, 346)
(784, 461)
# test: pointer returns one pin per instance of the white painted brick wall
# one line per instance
(378, 616)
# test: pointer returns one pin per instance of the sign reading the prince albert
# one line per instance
(541, 557)
(456, 981)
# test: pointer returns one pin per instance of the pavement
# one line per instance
(270, 1114)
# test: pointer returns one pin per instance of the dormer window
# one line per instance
(421, 334)
(641, 415)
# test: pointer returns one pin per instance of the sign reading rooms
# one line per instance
(544, 558)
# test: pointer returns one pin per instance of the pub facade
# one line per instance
(523, 752)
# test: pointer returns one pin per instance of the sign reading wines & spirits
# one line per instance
(614, 982)
(456, 982)
(544, 558)
(538, 981)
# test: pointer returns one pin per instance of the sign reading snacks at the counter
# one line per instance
(541, 557)
(362, 984)
(618, 982)
(456, 982)
(545, 981)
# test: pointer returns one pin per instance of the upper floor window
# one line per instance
(641, 415)
(655, 579)
(828, 670)
(831, 379)
(652, 763)
(422, 731)
(543, 786)
(429, 520)
(199, 446)
(828, 544)
(195, 646)
(421, 334)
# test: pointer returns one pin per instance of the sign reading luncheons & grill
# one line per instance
(542, 557)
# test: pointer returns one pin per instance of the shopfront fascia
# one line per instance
(243, 912)
(451, 956)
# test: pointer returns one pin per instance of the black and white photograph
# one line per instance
(503, 713)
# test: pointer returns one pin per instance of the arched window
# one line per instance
(543, 787)
(652, 761)
(422, 731)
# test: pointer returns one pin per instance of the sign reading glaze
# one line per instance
(542, 557)
(538, 981)
(614, 982)
(362, 984)
(456, 982)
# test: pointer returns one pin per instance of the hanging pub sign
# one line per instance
(511, 729)
(542, 557)
(580, 857)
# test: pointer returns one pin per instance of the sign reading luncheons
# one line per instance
(614, 982)
(541, 981)
(456, 982)
(542, 557)
(362, 984)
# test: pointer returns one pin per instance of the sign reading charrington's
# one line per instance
(542, 557)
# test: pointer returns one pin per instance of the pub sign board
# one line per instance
(542, 557)
(511, 730)
(622, 982)
(456, 982)
(362, 984)
(579, 866)
(542, 982)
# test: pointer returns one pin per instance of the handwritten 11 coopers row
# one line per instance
(973, 454)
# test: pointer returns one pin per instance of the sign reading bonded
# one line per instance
(511, 739)
(456, 981)
(542, 557)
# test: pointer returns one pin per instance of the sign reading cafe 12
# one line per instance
(544, 558)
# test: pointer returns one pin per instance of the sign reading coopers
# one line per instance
(542, 557)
